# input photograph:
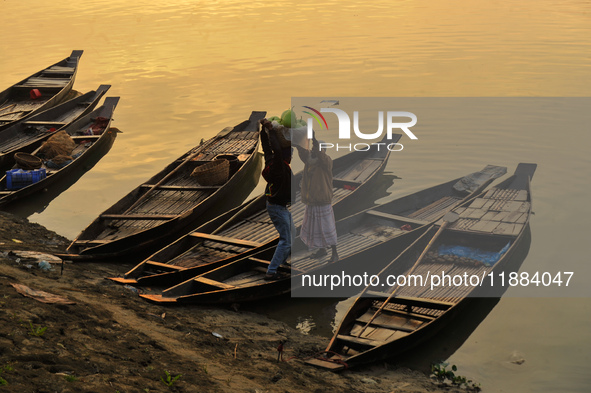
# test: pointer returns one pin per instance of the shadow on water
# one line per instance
(36, 203)
(379, 189)
(381, 186)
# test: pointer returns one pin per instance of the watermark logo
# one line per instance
(316, 116)
(391, 120)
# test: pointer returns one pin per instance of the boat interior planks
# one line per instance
(39, 91)
(252, 224)
(363, 238)
(381, 224)
(27, 135)
(173, 202)
(166, 200)
(87, 149)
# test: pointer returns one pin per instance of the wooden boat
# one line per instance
(173, 202)
(387, 320)
(362, 238)
(26, 136)
(38, 92)
(86, 146)
(250, 230)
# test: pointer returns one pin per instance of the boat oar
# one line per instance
(449, 217)
(7, 107)
(12, 113)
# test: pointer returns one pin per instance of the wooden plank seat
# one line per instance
(325, 364)
(59, 70)
(180, 188)
(137, 216)
(366, 342)
(389, 216)
(121, 280)
(42, 81)
(84, 137)
(414, 301)
(213, 283)
(165, 266)
(226, 240)
(48, 85)
(364, 319)
(43, 123)
(94, 242)
(404, 313)
(158, 298)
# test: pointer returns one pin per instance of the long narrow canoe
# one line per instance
(172, 203)
(86, 146)
(389, 319)
(250, 230)
(26, 136)
(363, 239)
(53, 83)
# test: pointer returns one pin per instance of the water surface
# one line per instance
(187, 69)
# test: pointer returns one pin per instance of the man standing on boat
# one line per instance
(277, 173)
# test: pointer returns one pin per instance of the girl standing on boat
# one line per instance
(318, 228)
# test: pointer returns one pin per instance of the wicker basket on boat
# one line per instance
(212, 173)
(27, 161)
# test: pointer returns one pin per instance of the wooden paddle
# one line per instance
(450, 217)
(7, 107)
(12, 113)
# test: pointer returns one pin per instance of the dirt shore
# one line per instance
(110, 340)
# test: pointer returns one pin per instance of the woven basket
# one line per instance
(27, 161)
(213, 173)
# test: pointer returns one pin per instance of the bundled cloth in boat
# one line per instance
(59, 161)
(488, 258)
(99, 125)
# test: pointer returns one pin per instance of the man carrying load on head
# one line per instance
(278, 174)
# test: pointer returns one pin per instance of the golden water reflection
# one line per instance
(187, 69)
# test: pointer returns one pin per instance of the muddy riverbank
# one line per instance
(109, 340)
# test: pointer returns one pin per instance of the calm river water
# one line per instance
(187, 69)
